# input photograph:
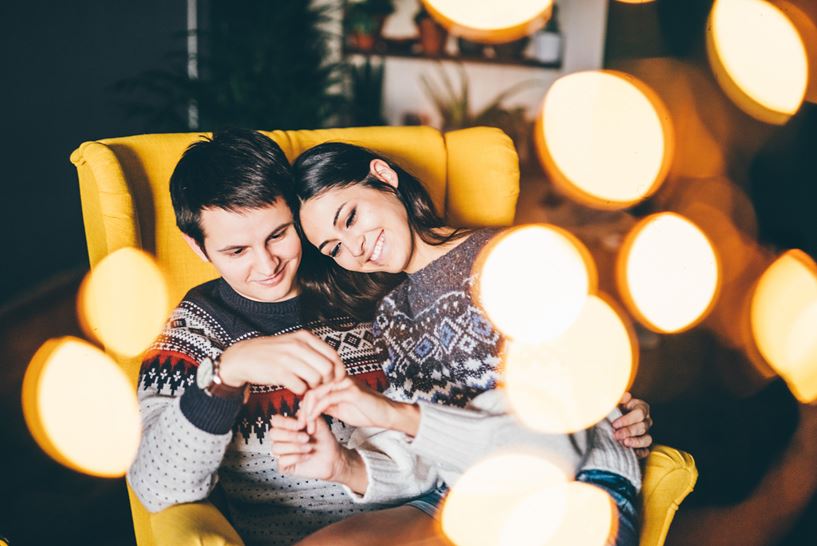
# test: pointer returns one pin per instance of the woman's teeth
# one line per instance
(378, 249)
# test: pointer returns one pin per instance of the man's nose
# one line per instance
(267, 262)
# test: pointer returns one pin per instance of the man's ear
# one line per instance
(381, 170)
(194, 246)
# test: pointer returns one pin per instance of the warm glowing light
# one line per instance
(604, 138)
(576, 380)
(784, 321)
(80, 408)
(635, 1)
(668, 273)
(591, 518)
(533, 281)
(758, 57)
(491, 21)
(124, 301)
(480, 502)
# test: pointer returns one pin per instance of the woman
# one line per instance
(377, 223)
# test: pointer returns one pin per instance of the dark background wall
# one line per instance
(59, 61)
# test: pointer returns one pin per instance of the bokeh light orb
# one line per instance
(604, 138)
(490, 21)
(591, 518)
(574, 381)
(668, 273)
(758, 57)
(480, 502)
(81, 409)
(536, 518)
(783, 319)
(124, 301)
(533, 281)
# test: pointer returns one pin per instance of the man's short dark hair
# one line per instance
(235, 169)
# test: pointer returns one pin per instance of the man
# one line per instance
(238, 351)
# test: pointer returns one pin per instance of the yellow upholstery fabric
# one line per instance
(198, 523)
(473, 177)
(669, 476)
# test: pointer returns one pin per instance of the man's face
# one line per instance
(257, 251)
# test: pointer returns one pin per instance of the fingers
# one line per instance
(632, 431)
(639, 442)
(287, 464)
(637, 415)
(625, 399)
(286, 423)
(642, 453)
(330, 367)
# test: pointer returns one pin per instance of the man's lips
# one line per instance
(272, 280)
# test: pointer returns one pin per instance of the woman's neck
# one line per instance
(424, 253)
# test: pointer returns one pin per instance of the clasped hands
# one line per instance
(305, 445)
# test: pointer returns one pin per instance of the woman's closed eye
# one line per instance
(351, 218)
(335, 250)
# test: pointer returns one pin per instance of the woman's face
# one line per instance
(361, 228)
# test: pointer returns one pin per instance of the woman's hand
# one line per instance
(632, 428)
(357, 405)
(317, 456)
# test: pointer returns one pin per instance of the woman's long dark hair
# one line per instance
(335, 165)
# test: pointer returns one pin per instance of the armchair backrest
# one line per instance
(472, 175)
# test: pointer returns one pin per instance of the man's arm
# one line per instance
(185, 431)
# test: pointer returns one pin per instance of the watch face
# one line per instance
(204, 374)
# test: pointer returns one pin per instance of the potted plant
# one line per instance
(432, 34)
(363, 22)
(262, 64)
(454, 109)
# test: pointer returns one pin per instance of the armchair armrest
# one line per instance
(669, 476)
(197, 523)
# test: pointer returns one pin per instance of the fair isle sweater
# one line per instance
(441, 351)
(192, 441)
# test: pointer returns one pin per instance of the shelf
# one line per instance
(531, 63)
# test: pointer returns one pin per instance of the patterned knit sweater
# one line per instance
(441, 350)
(192, 441)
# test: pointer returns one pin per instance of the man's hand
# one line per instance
(632, 428)
(297, 361)
(318, 456)
(357, 405)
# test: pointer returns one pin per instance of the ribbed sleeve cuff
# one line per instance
(607, 454)
(450, 436)
(386, 482)
(210, 413)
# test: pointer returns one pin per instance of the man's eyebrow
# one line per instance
(236, 247)
(281, 227)
(334, 223)
(230, 247)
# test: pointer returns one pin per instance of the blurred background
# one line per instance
(91, 69)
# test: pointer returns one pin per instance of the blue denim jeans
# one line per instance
(623, 494)
(430, 502)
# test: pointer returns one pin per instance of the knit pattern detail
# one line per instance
(182, 457)
(439, 345)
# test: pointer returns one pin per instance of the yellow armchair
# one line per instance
(473, 178)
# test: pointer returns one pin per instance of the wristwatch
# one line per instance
(209, 380)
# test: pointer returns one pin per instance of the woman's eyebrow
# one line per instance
(337, 213)
(334, 223)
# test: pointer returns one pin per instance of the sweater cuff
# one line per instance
(386, 483)
(210, 413)
(452, 437)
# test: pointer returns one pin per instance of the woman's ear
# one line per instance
(194, 246)
(381, 170)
